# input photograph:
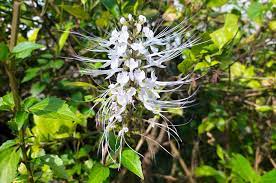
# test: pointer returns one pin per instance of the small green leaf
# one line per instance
(32, 37)
(30, 73)
(206, 171)
(7, 145)
(37, 88)
(21, 118)
(64, 36)
(53, 107)
(220, 152)
(264, 108)
(98, 174)
(24, 49)
(4, 52)
(76, 11)
(9, 159)
(112, 6)
(225, 34)
(56, 164)
(131, 161)
(242, 168)
(216, 3)
(269, 177)
(255, 11)
(7, 102)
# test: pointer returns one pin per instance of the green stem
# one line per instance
(10, 70)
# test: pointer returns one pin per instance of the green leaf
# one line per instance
(216, 3)
(264, 108)
(4, 51)
(255, 11)
(269, 177)
(225, 34)
(37, 88)
(50, 128)
(98, 174)
(241, 167)
(112, 6)
(64, 36)
(220, 152)
(53, 107)
(32, 37)
(7, 145)
(56, 164)
(9, 159)
(131, 161)
(7, 102)
(206, 171)
(30, 73)
(76, 11)
(56, 64)
(24, 49)
(20, 119)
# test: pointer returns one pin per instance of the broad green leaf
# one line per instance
(49, 128)
(98, 174)
(272, 25)
(264, 108)
(76, 11)
(31, 73)
(56, 164)
(206, 171)
(255, 11)
(33, 35)
(112, 6)
(186, 65)
(7, 145)
(7, 102)
(201, 66)
(269, 177)
(24, 49)
(37, 88)
(64, 36)
(241, 167)
(56, 64)
(4, 52)
(53, 107)
(225, 34)
(9, 159)
(131, 161)
(20, 119)
(216, 3)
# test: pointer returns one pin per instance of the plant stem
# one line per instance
(10, 70)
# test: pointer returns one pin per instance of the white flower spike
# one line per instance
(133, 53)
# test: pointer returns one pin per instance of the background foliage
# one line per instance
(48, 131)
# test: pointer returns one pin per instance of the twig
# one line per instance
(258, 158)
(182, 163)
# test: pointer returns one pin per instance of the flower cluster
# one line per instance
(134, 52)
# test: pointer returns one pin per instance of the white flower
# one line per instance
(123, 78)
(122, 20)
(148, 33)
(129, 17)
(142, 19)
(139, 47)
(139, 76)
